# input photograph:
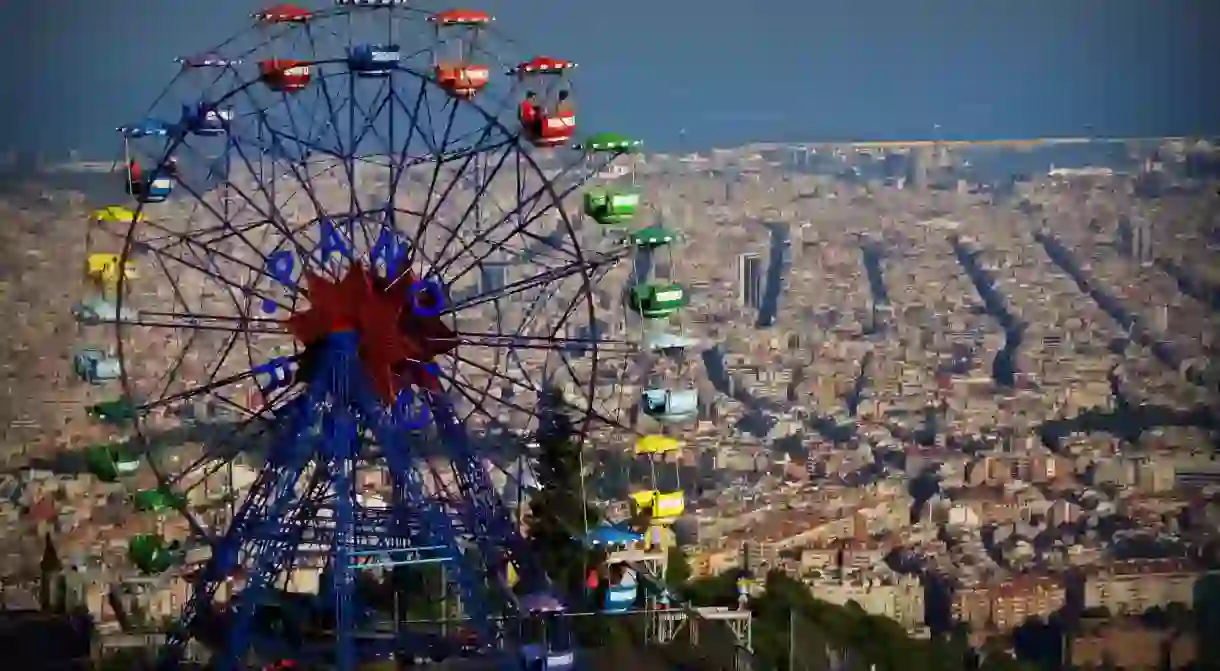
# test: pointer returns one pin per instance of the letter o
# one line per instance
(434, 291)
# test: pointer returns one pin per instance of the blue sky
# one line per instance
(726, 72)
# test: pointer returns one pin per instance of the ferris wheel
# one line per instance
(342, 280)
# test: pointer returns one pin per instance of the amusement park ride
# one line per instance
(317, 207)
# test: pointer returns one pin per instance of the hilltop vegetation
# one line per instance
(791, 625)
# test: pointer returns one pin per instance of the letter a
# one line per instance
(331, 242)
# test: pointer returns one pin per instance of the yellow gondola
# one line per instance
(117, 214)
(106, 269)
(660, 507)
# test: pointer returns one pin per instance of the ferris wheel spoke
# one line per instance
(398, 167)
(222, 232)
(333, 116)
(211, 272)
(167, 380)
(304, 182)
(470, 208)
(561, 324)
(201, 469)
(296, 134)
(475, 398)
(205, 388)
(274, 217)
(381, 100)
(185, 321)
(498, 340)
(578, 182)
(436, 168)
(210, 251)
(429, 213)
(532, 312)
(530, 387)
(543, 279)
(482, 235)
(227, 451)
(523, 225)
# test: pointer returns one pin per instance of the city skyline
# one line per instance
(953, 68)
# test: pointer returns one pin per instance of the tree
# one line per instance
(677, 568)
(558, 512)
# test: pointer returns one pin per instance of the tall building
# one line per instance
(917, 168)
(1135, 240)
(493, 275)
(749, 280)
(1142, 246)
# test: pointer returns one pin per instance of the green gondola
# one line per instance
(611, 207)
(119, 412)
(653, 237)
(111, 462)
(657, 300)
(158, 500)
(616, 143)
(152, 554)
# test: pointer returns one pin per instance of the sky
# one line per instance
(690, 74)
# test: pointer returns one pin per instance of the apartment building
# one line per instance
(1006, 605)
(1131, 587)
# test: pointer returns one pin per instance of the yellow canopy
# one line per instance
(664, 507)
(657, 444)
(105, 269)
(117, 213)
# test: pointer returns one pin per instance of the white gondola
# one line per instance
(665, 341)
(670, 406)
(96, 366)
(97, 310)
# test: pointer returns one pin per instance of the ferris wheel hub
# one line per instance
(399, 338)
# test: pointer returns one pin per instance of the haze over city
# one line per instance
(727, 73)
(830, 336)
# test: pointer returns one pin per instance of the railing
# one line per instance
(642, 640)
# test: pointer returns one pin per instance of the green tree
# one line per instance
(559, 512)
(791, 625)
(677, 568)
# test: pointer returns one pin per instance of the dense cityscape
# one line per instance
(960, 386)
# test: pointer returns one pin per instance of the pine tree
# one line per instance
(677, 568)
(559, 512)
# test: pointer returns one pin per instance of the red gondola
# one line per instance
(287, 76)
(459, 76)
(284, 13)
(548, 121)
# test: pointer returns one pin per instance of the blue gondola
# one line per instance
(622, 586)
(145, 128)
(98, 310)
(153, 189)
(372, 60)
(95, 366)
(664, 341)
(207, 59)
(206, 119)
(612, 535)
(622, 589)
(670, 406)
(552, 648)
(156, 189)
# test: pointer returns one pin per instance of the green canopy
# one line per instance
(609, 142)
(653, 236)
(158, 500)
(119, 412)
(152, 554)
(110, 462)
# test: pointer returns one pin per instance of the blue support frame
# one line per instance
(319, 437)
